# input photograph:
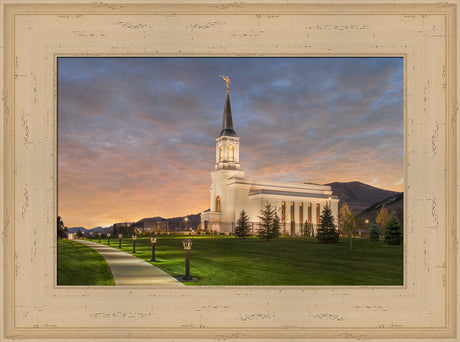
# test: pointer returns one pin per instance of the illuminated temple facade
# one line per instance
(231, 192)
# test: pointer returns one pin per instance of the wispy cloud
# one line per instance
(136, 136)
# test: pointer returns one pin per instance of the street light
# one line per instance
(187, 247)
(91, 236)
(108, 239)
(99, 235)
(119, 240)
(153, 240)
(134, 237)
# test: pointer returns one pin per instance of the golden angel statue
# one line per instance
(227, 81)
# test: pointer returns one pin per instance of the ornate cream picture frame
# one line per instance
(35, 33)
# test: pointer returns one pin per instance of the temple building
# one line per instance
(231, 192)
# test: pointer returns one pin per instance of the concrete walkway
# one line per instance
(130, 270)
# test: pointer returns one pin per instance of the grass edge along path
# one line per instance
(78, 264)
(226, 260)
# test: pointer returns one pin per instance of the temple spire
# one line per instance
(227, 121)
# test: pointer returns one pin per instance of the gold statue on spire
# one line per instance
(227, 82)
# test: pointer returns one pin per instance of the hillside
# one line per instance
(174, 224)
(392, 204)
(95, 230)
(359, 196)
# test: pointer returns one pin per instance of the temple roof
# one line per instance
(227, 122)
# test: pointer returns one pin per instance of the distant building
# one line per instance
(151, 227)
(231, 192)
(123, 228)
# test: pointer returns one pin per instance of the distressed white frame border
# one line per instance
(35, 34)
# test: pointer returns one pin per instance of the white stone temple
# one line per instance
(231, 192)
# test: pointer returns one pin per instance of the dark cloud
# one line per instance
(136, 135)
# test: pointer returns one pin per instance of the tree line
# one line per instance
(386, 225)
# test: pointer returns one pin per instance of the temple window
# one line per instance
(300, 212)
(221, 153)
(218, 203)
(318, 213)
(283, 211)
(231, 153)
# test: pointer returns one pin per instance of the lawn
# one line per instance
(226, 260)
(80, 265)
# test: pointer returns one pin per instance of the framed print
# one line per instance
(36, 35)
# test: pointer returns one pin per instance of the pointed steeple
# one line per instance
(227, 122)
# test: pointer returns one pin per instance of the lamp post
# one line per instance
(187, 247)
(91, 236)
(134, 237)
(108, 239)
(119, 240)
(99, 236)
(153, 240)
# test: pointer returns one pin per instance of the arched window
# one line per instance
(283, 211)
(218, 203)
(230, 153)
(318, 213)
(301, 213)
(221, 153)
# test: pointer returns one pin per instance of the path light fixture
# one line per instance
(119, 240)
(153, 240)
(108, 239)
(91, 236)
(187, 247)
(99, 236)
(134, 237)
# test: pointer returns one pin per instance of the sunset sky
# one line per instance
(136, 136)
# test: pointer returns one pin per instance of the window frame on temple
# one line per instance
(231, 153)
(218, 204)
(221, 153)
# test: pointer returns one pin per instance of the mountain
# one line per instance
(392, 204)
(102, 230)
(76, 229)
(359, 196)
(174, 224)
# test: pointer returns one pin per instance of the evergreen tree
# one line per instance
(326, 231)
(61, 229)
(307, 228)
(242, 225)
(393, 231)
(374, 233)
(267, 218)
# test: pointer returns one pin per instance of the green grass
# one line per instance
(81, 265)
(226, 260)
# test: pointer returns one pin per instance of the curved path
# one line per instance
(130, 270)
